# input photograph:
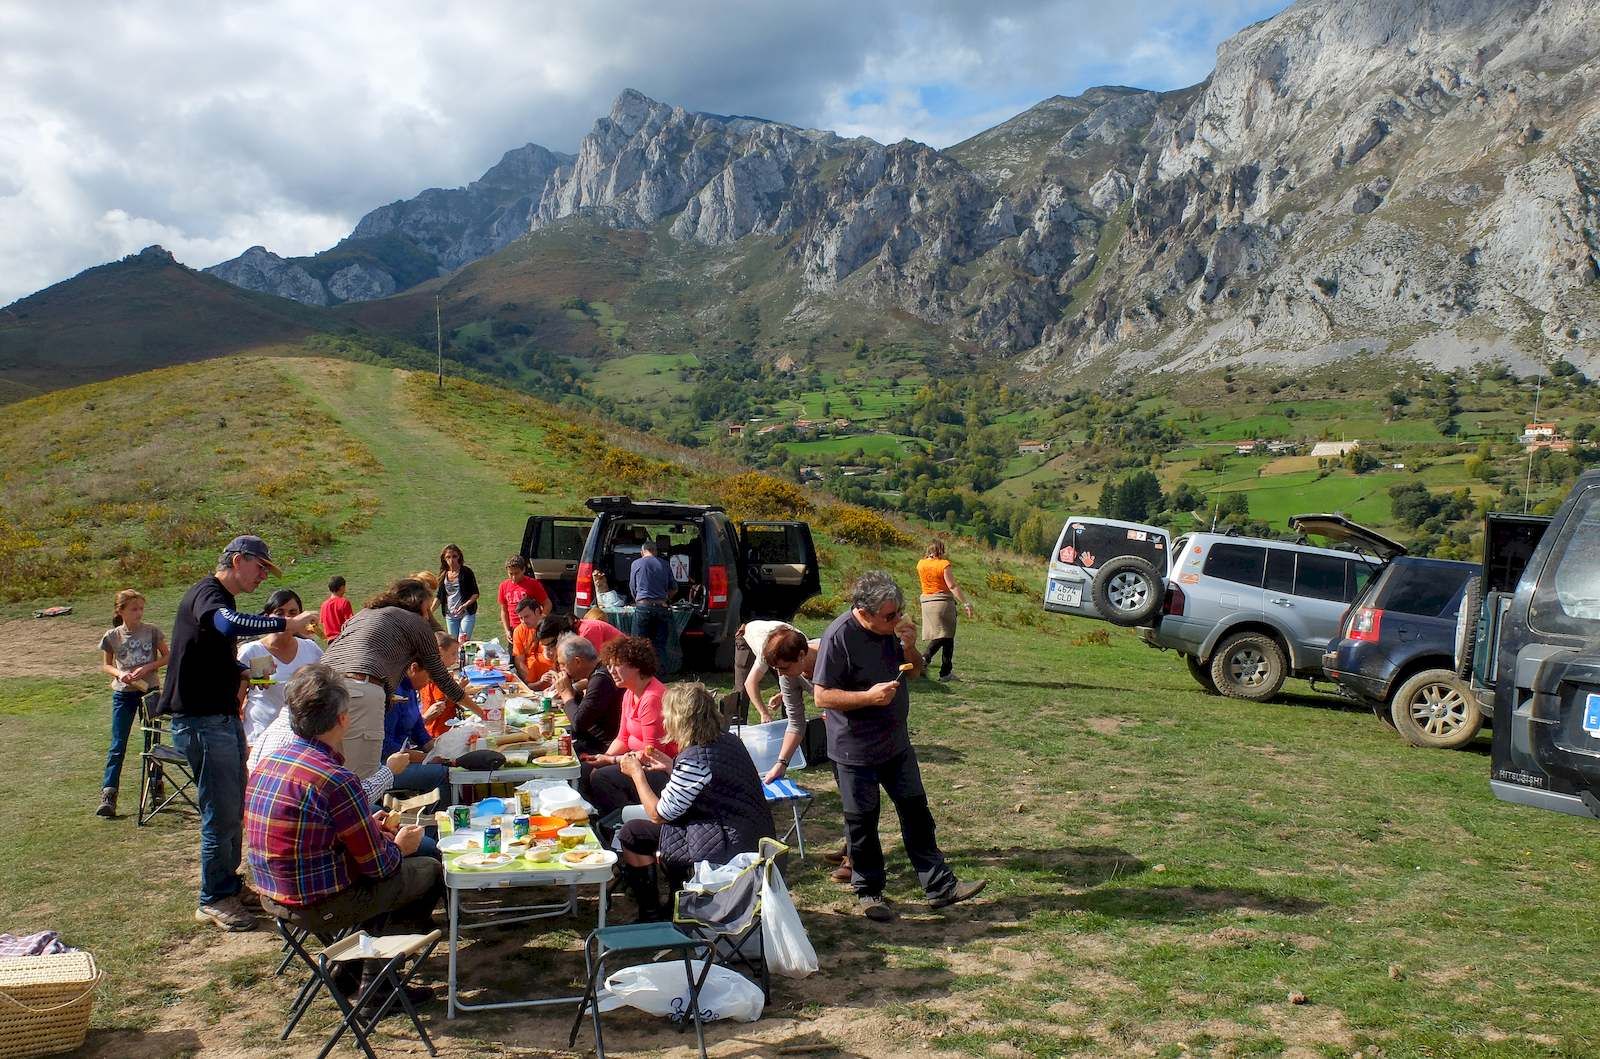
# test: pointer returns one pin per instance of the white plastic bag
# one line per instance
(765, 741)
(457, 740)
(662, 989)
(708, 876)
(789, 950)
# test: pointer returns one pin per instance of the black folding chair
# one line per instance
(164, 774)
(728, 919)
(402, 955)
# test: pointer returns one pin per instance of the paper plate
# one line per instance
(484, 860)
(461, 842)
(587, 858)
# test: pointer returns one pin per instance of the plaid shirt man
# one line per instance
(309, 828)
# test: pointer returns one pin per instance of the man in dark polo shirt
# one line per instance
(864, 693)
(202, 695)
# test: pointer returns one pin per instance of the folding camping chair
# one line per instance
(401, 954)
(606, 942)
(164, 774)
(784, 791)
(728, 918)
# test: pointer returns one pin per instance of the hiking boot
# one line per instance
(959, 892)
(875, 908)
(108, 803)
(945, 678)
(227, 913)
(843, 872)
(838, 856)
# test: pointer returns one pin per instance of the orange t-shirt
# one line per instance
(931, 573)
(525, 645)
(431, 696)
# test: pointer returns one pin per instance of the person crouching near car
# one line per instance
(318, 855)
(711, 808)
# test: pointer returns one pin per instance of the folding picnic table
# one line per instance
(460, 778)
(518, 874)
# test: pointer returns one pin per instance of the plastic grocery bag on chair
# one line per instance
(662, 989)
(789, 951)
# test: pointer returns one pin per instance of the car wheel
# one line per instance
(1249, 665)
(1127, 591)
(1467, 627)
(1436, 709)
(1201, 673)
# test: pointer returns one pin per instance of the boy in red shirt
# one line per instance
(336, 610)
(513, 589)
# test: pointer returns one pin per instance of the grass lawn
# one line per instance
(1364, 498)
(870, 444)
(1164, 867)
(648, 377)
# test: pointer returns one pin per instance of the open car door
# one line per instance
(778, 568)
(553, 546)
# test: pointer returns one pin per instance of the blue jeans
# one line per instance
(216, 751)
(424, 778)
(461, 628)
(124, 709)
(654, 621)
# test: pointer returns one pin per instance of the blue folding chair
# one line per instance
(784, 791)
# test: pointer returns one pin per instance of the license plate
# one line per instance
(1591, 715)
(1067, 593)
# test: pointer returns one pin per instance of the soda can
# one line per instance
(461, 817)
(525, 802)
(520, 827)
(491, 841)
(566, 746)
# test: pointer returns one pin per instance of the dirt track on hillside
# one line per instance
(49, 647)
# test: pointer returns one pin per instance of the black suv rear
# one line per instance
(729, 573)
(1546, 665)
(1396, 651)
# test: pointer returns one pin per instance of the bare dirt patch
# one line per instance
(49, 647)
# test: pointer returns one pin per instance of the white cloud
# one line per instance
(213, 127)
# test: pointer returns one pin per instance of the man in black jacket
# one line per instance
(596, 711)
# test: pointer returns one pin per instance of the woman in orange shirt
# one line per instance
(940, 594)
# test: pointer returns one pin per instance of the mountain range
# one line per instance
(1417, 180)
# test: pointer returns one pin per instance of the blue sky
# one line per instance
(280, 122)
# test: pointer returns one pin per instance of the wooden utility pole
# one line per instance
(438, 335)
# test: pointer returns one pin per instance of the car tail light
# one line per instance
(1366, 625)
(1175, 601)
(583, 596)
(717, 588)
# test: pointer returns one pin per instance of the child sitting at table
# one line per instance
(527, 653)
(403, 730)
(438, 711)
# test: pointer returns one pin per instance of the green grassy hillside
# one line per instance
(142, 312)
(1165, 868)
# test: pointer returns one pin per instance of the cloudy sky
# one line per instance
(211, 127)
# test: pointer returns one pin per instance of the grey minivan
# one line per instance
(1247, 613)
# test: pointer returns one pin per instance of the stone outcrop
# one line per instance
(411, 240)
(1421, 178)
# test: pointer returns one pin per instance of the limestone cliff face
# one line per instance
(1418, 178)
(401, 244)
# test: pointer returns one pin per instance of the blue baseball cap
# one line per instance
(255, 548)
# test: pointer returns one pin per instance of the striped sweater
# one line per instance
(381, 643)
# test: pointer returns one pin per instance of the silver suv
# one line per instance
(1247, 613)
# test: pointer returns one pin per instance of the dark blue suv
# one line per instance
(1396, 651)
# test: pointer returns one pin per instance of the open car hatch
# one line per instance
(1340, 530)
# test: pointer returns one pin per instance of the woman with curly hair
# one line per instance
(371, 656)
(632, 663)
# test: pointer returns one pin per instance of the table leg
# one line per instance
(450, 978)
(605, 886)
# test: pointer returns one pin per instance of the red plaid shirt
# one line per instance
(309, 828)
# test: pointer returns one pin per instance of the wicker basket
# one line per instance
(45, 1003)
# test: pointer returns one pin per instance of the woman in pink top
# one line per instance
(632, 662)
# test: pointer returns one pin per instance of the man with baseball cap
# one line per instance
(202, 696)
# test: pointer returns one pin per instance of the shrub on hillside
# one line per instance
(756, 495)
(857, 525)
(1001, 581)
(823, 607)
